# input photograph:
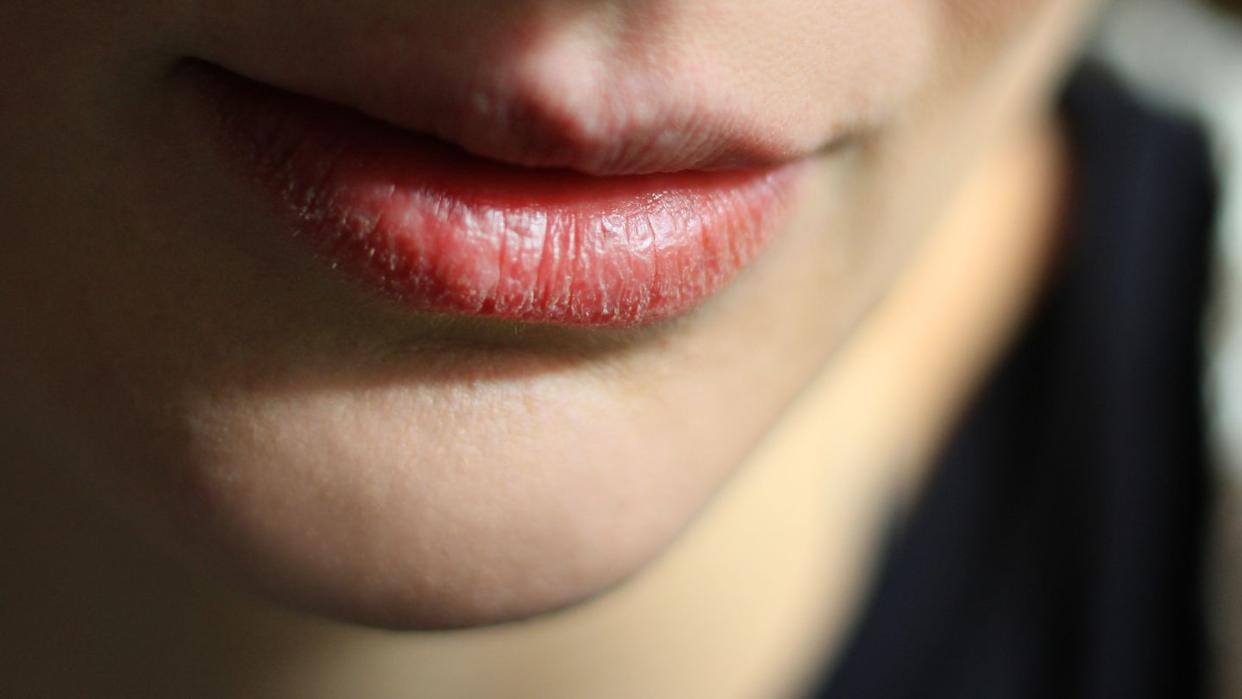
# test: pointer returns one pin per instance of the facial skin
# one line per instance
(171, 344)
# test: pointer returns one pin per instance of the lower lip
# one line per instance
(444, 231)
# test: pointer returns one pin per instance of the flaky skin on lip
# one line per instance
(444, 231)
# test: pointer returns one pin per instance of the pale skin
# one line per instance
(704, 497)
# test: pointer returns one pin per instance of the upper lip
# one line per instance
(594, 125)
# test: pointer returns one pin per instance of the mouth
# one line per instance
(441, 230)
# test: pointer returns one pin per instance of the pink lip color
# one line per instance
(445, 231)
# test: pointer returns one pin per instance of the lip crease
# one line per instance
(442, 230)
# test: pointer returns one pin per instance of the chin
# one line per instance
(433, 508)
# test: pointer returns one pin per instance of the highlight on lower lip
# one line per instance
(445, 231)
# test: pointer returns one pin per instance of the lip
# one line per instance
(441, 230)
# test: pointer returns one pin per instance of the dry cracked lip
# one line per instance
(441, 230)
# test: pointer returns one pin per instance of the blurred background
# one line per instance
(1187, 54)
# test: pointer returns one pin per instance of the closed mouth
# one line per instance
(442, 230)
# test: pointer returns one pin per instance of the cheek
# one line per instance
(839, 67)
(981, 21)
(852, 66)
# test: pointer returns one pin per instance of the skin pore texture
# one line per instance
(688, 508)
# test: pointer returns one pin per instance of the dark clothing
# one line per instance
(1057, 550)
